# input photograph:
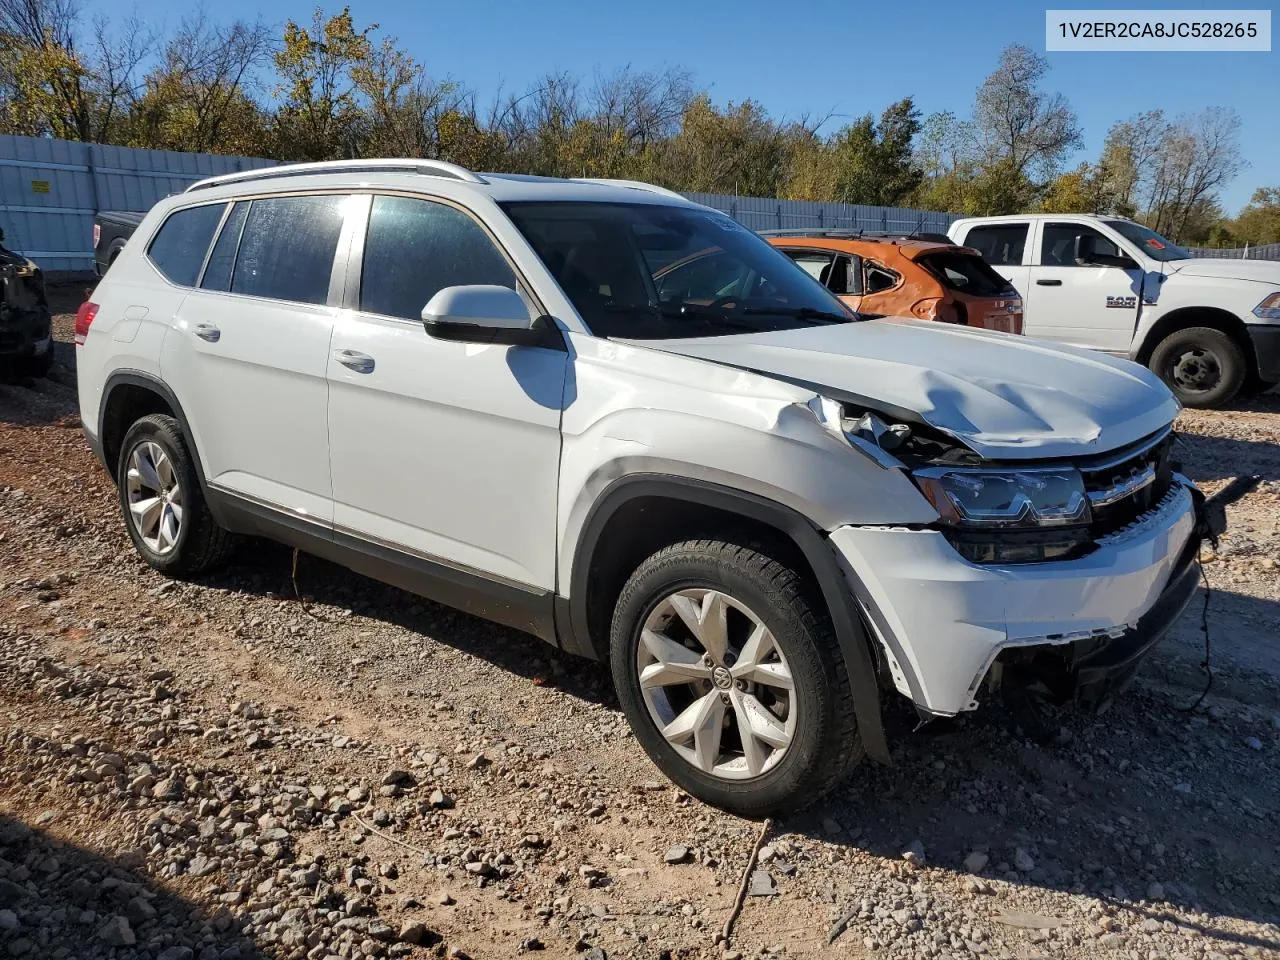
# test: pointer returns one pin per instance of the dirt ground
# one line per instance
(220, 769)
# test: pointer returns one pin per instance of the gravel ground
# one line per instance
(221, 769)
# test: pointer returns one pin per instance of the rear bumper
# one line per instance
(1266, 347)
(943, 622)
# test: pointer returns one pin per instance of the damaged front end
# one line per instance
(1051, 578)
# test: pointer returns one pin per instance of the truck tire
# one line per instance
(1203, 367)
(161, 501)
(731, 677)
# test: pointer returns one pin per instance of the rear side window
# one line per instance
(965, 273)
(286, 250)
(880, 279)
(416, 248)
(217, 275)
(180, 244)
(1000, 244)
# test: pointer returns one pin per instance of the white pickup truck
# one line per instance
(1209, 328)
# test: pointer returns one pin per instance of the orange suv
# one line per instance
(927, 276)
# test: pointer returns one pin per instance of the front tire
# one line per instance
(162, 503)
(1202, 366)
(731, 678)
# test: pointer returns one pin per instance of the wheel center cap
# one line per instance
(722, 678)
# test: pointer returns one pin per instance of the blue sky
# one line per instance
(846, 58)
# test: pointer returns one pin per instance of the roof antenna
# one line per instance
(919, 224)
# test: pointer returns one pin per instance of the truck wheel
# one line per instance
(1202, 366)
(732, 679)
(164, 509)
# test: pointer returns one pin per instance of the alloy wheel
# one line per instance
(154, 496)
(716, 684)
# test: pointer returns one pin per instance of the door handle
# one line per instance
(1048, 283)
(207, 331)
(354, 360)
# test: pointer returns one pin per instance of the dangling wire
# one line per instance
(1204, 629)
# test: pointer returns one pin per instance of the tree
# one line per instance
(1259, 221)
(1196, 156)
(53, 85)
(1082, 190)
(199, 97)
(1018, 125)
(874, 162)
(320, 116)
(1128, 158)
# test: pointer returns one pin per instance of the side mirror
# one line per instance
(484, 313)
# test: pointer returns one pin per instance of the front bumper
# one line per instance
(1266, 347)
(25, 334)
(942, 622)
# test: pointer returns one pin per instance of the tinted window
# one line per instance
(416, 248)
(180, 245)
(715, 278)
(286, 252)
(814, 264)
(217, 275)
(1001, 244)
(966, 273)
(1060, 243)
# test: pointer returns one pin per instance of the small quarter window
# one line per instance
(180, 244)
(880, 279)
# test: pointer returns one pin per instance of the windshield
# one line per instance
(1148, 241)
(643, 271)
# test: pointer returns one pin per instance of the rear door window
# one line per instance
(180, 244)
(416, 248)
(999, 243)
(286, 251)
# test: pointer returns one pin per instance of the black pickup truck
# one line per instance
(111, 230)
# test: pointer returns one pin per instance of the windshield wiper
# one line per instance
(802, 313)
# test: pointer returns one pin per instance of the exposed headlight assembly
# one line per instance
(1012, 498)
(1269, 308)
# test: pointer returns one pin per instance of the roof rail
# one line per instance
(633, 184)
(430, 168)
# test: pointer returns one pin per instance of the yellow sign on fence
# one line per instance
(39, 186)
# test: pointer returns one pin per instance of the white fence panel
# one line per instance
(50, 191)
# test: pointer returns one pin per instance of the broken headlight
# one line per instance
(1011, 498)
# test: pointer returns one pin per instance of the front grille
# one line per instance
(1125, 485)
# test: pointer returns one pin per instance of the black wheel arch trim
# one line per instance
(1266, 347)
(572, 617)
(140, 378)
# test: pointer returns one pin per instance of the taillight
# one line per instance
(97, 234)
(84, 317)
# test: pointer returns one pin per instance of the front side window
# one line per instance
(416, 248)
(180, 244)
(649, 271)
(287, 247)
(1001, 244)
(1060, 245)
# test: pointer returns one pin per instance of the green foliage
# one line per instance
(333, 88)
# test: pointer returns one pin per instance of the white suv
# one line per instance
(620, 421)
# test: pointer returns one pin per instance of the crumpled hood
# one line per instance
(1264, 271)
(1004, 396)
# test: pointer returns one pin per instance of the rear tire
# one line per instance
(162, 503)
(711, 704)
(1203, 367)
